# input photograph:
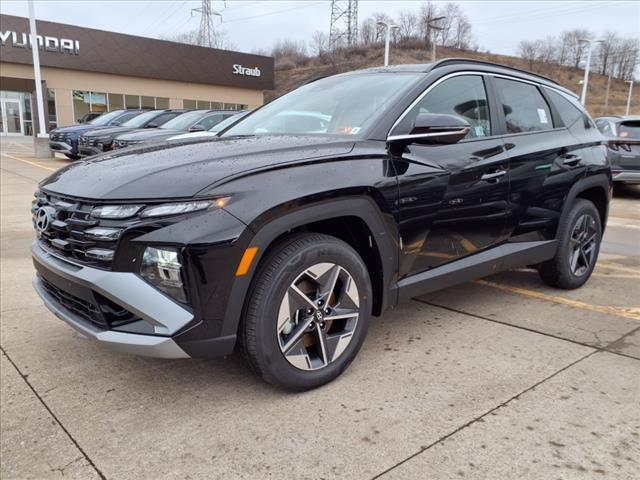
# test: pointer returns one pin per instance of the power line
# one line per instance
(243, 19)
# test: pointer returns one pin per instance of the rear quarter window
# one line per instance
(524, 107)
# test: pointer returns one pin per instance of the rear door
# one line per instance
(545, 159)
(452, 197)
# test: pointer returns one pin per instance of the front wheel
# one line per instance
(308, 311)
(579, 244)
(72, 156)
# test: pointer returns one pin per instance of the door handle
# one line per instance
(493, 176)
(571, 160)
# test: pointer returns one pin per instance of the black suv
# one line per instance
(93, 143)
(319, 210)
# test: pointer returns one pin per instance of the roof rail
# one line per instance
(453, 61)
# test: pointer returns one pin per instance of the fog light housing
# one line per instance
(163, 269)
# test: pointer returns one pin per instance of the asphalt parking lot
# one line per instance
(501, 378)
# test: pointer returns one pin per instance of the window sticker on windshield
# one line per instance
(479, 131)
(542, 115)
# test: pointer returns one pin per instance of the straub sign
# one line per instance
(249, 72)
(46, 42)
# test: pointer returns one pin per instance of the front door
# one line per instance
(453, 198)
(12, 117)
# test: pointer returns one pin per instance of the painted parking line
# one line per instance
(626, 312)
(634, 226)
(29, 162)
(616, 267)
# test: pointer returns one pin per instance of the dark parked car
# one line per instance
(87, 117)
(102, 141)
(623, 135)
(65, 139)
(213, 131)
(195, 121)
(285, 244)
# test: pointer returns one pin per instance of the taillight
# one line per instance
(613, 146)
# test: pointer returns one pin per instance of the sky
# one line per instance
(498, 26)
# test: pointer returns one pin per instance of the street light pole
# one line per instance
(387, 40)
(432, 27)
(583, 97)
(35, 51)
(630, 82)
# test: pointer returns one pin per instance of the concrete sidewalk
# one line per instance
(502, 378)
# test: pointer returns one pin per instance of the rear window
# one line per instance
(524, 107)
(629, 130)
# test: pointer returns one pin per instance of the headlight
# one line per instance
(163, 269)
(115, 211)
(175, 208)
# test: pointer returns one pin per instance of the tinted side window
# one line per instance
(524, 107)
(463, 96)
(210, 121)
(123, 118)
(569, 113)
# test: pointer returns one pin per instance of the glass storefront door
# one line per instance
(12, 117)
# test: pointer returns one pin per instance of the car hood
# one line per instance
(78, 129)
(110, 132)
(149, 134)
(184, 169)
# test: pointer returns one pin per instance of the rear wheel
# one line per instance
(307, 314)
(72, 156)
(579, 244)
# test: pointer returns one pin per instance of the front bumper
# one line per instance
(159, 317)
(86, 151)
(60, 147)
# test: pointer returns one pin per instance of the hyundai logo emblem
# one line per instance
(44, 217)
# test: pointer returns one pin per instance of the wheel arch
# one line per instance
(354, 220)
(596, 189)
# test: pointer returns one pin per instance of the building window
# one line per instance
(162, 103)
(81, 104)
(26, 114)
(51, 107)
(217, 106)
(189, 104)
(132, 101)
(148, 102)
(116, 101)
(203, 105)
(98, 102)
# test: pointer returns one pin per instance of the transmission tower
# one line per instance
(206, 32)
(344, 24)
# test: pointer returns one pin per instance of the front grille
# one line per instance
(103, 312)
(60, 137)
(67, 222)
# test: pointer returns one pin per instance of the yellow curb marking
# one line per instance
(611, 266)
(616, 275)
(627, 312)
(29, 162)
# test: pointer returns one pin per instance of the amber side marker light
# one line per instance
(247, 260)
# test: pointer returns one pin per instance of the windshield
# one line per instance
(218, 127)
(105, 118)
(341, 105)
(141, 120)
(184, 121)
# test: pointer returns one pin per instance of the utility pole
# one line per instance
(387, 38)
(343, 29)
(630, 82)
(434, 28)
(206, 32)
(583, 97)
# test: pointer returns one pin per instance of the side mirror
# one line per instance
(152, 125)
(434, 128)
(197, 128)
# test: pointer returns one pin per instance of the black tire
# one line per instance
(559, 271)
(260, 334)
(71, 156)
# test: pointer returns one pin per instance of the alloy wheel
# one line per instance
(318, 316)
(583, 244)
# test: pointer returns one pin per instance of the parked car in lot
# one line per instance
(215, 130)
(623, 135)
(285, 242)
(65, 139)
(194, 121)
(102, 141)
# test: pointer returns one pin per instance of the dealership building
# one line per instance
(85, 70)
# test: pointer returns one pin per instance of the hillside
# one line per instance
(291, 73)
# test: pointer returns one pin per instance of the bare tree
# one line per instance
(530, 51)
(408, 23)
(220, 38)
(288, 48)
(319, 43)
